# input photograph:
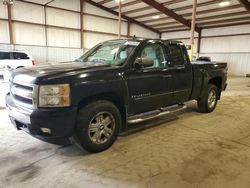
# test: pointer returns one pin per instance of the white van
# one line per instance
(14, 60)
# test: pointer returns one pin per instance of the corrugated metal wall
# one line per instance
(227, 44)
(63, 44)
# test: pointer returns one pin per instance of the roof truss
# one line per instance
(131, 20)
(246, 4)
(170, 13)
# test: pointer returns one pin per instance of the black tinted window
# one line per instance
(176, 55)
(4, 55)
(18, 55)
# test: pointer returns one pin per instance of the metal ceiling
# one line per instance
(175, 15)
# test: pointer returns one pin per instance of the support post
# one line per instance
(10, 23)
(199, 43)
(120, 19)
(46, 34)
(45, 25)
(81, 24)
(193, 28)
(46, 29)
(128, 29)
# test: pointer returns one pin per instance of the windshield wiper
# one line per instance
(78, 60)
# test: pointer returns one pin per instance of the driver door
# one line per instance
(150, 87)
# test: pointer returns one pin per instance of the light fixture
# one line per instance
(118, 1)
(155, 17)
(224, 3)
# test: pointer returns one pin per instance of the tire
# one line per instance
(208, 102)
(98, 125)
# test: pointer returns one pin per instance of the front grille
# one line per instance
(23, 95)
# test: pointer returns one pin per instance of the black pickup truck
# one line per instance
(113, 85)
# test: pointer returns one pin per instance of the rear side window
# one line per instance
(4, 55)
(176, 55)
(18, 55)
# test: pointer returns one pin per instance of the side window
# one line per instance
(4, 55)
(156, 53)
(176, 55)
(18, 55)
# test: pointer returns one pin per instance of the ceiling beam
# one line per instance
(188, 7)
(105, 1)
(123, 16)
(225, 21)
(246, 4)
(173, 2)
(198, 13)
(227, 25)
(206, 18)
(174, 28)
(126, 4)
(170, 13)
(203, 25)
(149, 7)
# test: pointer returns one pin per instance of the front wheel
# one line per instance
(208, 102)
(98, 126)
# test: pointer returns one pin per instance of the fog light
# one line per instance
(46, 130)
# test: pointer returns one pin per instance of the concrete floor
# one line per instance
(194, 150)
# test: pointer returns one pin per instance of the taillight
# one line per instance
(33, 62)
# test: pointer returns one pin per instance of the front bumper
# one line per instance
(60, 122)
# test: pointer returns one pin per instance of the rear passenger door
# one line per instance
(181, 71)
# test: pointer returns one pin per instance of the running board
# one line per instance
(156, 113)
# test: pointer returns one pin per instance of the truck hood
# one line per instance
(43, 72)
(58, 68)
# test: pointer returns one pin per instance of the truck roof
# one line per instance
(168, 41)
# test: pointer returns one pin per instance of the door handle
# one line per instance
(167, 76)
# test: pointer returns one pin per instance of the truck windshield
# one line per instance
(111, 53)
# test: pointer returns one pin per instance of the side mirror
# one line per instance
(144, 62)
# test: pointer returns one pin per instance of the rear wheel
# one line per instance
(208, 102)
(98, 126)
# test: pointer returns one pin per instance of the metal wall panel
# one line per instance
(87, 8)
(63, 38)
(63, 54)
(91, 39)
(226, 44)
(3, 11)
(139, 31)
(103, 25)
(4, 32)
(177, 35)
(27, 12)
(63, 18)
(226, 30)
(66, 4)
(28, 34)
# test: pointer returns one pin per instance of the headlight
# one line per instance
(54, 95)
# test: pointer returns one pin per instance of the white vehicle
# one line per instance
(14, 60)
